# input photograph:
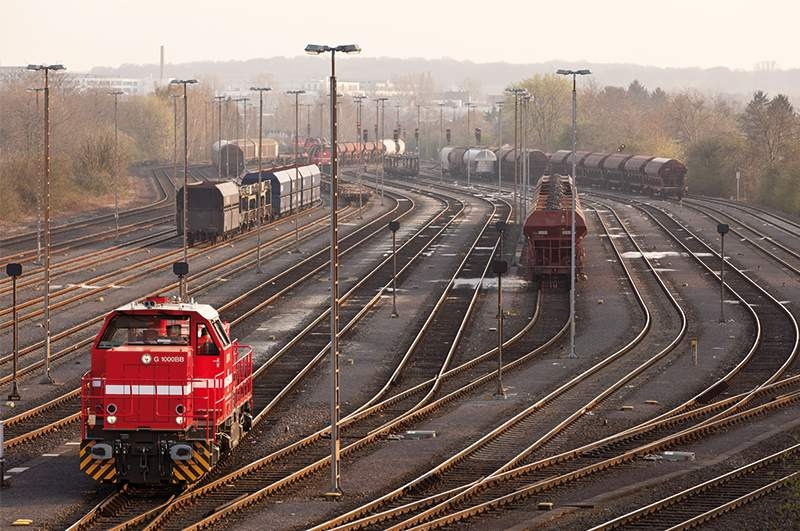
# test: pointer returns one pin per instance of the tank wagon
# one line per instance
(454, 162)
(168, 394)
(642, 174)
(224, 209)
(350, 153)
(547, 229)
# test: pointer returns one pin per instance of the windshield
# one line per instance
(126, 329)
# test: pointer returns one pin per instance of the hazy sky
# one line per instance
(86, 33)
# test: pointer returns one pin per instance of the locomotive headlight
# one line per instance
(111, 419)
(179, 420)
(111, 408)
(179, 409)
(146, 359)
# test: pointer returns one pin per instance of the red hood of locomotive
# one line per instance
(146, 385)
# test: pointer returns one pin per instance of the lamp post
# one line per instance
(175, 98)
(574, 74)
(500, 143)
(526, 171)
(394, 226)
(722, 229)
(261, 91)
(219, 100)
(516, 92)
(470, 105)
(237, 101)
(46, 199)
(738, 177)
(38, 195)
(185, 83)
(315, 49)
(308, 107)
(296, 94)
(380, 118)
(441, 132)
(116, 94)
(14, 270)
(358, 100)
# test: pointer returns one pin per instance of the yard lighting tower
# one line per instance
(441, 132)
(500, 143)
(380, 118)
(46, 200)
(185, 83)
(574, 74)
(237, 101)
(516, 92)
(296, 94)
(470, 106)
(358, 100)
(219, 100)
(316, 49)
(175, 98)
(116, 94)
(259, 206)
(38, 196)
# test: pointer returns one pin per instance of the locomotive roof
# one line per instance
(204, 310)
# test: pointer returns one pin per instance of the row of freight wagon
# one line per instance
(631, 173)
(223, 209)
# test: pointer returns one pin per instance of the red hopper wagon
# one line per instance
(167, 394)
(548, 228)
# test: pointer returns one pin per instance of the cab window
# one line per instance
(205, 343)
(124, 329)
(221, 334)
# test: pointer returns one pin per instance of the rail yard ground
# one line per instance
(642, 300)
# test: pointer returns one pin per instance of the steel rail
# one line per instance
(710, 486)
(484, 443)
(313, 228)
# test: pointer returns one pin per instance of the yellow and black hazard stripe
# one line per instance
(197, 466)
(97, 469)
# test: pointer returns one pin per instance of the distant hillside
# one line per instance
(449, 73)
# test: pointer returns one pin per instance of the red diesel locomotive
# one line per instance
(168, 393)
(547, 230)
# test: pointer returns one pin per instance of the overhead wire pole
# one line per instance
(237, 101)
(315, 49)
(185, 83)
(500, 143)
(46, 200)
(380, 120)
(116, 94)
(574, 74)
(516, 93)
(296, 94)
(259, 205)
(470, 105)
(441, 133)
(219, 100)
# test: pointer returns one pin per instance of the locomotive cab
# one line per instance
(167, 394)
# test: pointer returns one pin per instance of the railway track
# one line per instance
(309, 229)
(66, 230)
(529, 479)
(703, 502)
(59, 412)
(308, 455)
(289, 369)
(537, 424)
